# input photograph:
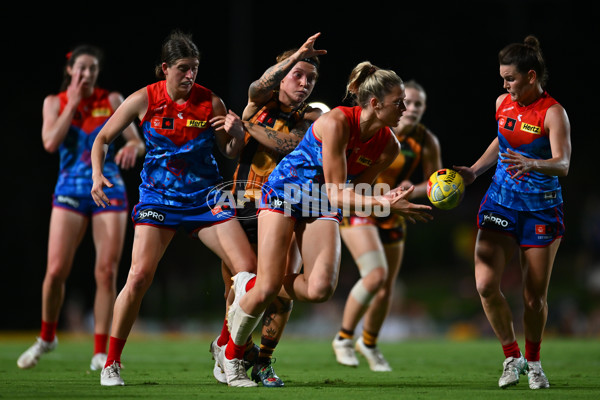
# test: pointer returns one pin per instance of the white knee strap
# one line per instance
(361, 294)
(371, 260)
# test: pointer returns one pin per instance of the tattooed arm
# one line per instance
(281, 142)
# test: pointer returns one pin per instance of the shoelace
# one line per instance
(113, 370)
(379, 356)
(239, 369)
(268, 370)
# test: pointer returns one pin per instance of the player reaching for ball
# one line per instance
(345, 145)
(523, 207)
(377, 243)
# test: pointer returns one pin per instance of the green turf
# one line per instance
(181, 368)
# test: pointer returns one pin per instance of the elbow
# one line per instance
(564, 169)
(50, 146)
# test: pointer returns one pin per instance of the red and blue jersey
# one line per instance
(299, 176)
(75, 174)
(179, 168)
(521, 129)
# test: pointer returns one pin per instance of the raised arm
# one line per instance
(55, 126)
(260, 90)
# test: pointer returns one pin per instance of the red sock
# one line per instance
(250, 284)
(234, 351)
(48, 331)
(100, 341)
(224, 336)
(511, 350)
(532, 350)
(115, 348)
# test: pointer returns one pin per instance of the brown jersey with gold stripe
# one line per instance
(257, 161)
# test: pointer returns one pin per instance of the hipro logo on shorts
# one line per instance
(493, 219)
(151, 214)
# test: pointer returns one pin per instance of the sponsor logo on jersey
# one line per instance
(544, 231)
(530, 128)
(507, 123)
(364, 161)
(101, 112)
(151, 214)
(195, 124)
(162, 123)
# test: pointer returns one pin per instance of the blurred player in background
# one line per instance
(71, 122)
(181, 121)
(377, 243)
(347, 144)
(276, 118)
(523, 207)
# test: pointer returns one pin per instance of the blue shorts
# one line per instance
(86, 206)
(273, 200)
(191, 219)
(529, 228)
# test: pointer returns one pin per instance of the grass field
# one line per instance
(172, 367)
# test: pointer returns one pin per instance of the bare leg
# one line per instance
(492, 252)
(66, 232)
(109, 235)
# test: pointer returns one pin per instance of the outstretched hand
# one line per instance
(467, 174)
(399, 204)
(307, 50)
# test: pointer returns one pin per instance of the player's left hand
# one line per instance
(518, 163)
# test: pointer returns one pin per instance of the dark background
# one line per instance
(451, 49)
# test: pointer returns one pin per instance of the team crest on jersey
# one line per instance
(525, 127)
(162, 123)
(508, 123)
(195, 124)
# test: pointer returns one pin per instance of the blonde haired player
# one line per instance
(347, 144)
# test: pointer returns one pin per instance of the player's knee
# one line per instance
(105, 274)
(487, 289)
(320, 291)
(534, 303)
(375, 280)
(138, 282)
